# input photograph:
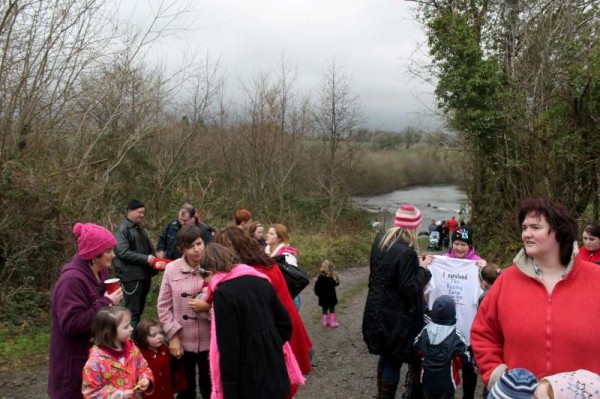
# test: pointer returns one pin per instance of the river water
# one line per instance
(434, 202)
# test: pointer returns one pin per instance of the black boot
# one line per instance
(379, 379)
(388, 389)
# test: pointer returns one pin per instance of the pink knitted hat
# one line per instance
(92, 240)
(575, 384)
(408, 217)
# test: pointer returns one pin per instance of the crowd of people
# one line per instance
(228, 326)
(527, 329)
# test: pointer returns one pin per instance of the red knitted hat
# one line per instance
(408, 217)
(92, 240)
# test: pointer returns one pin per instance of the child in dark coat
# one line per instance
(325, 290)
(442, 348)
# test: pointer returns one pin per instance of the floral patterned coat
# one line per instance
(108, 376)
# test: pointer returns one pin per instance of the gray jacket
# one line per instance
(132, 250)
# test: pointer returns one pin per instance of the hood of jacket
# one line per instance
(437, 332)
(524, 262)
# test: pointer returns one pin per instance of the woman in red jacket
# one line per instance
(541, 312)
(591, 243)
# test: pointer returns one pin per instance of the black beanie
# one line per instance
(463, 234)
(134, 204)
(443, 311)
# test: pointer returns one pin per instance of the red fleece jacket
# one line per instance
(520, 325)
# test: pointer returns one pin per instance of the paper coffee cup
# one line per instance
(112, 284)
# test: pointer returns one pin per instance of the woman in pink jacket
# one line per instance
(182, 313)
(542, 312)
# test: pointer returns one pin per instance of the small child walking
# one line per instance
(442, 349)
(487, 276)
(115, 367)
(149, 336)
(325, 290)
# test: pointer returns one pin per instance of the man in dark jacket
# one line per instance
(134, 259)
(166, 247)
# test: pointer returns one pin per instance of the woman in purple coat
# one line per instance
(78, 294)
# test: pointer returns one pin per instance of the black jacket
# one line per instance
(325, 290)
(251, 326)
(394, 310)
(438, 345)
(166, 241)
(132, 250)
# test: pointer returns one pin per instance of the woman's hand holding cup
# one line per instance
(115, 296)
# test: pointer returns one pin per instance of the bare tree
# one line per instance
(336, 114)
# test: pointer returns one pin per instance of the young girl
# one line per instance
(325, 290)
(487, 276)
(115, 368)
(149, 336)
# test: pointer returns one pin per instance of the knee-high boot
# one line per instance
(388, 389)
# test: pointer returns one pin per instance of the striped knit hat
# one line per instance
(408, 217)
(514, 384)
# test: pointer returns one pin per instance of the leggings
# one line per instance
(331, 309)
(191, 361)
(469, 378)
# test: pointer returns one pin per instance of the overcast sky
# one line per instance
(372, 42)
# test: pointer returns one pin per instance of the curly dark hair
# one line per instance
(558, 217)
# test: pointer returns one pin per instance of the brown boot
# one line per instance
(388, 389)
(379, 379)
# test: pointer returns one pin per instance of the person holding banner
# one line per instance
(393, 313)
(457, 274)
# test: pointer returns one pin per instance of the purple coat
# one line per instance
(76, 298)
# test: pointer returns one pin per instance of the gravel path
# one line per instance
(342, 367)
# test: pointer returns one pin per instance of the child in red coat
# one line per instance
(168, 379)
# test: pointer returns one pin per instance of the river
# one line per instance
(434, 202)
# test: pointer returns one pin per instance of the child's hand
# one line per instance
(543, 391)
(481, 263)
(198, 305)
(143, 384)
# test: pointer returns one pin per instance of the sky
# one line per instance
(373, 42)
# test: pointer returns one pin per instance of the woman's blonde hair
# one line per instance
(394, 234)
(327, 269)
(282, 233)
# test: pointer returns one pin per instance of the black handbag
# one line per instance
(295, 278)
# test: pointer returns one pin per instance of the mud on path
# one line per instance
(342, 367)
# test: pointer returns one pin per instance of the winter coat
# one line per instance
(394, 309)
(76, 298)
(325, 290)
(520, 324)
(442, 348)
(588, 256)
(174, 312)
(107, 374)
(251, 326)
(132, 250)
(166, 241)
(300, 341)
(160, 364)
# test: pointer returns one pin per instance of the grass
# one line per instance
(24, 348)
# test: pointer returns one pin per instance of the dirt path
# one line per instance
(342, 367)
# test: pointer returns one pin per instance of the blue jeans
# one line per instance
(389, 369)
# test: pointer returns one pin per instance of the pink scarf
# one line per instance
(294, 372)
